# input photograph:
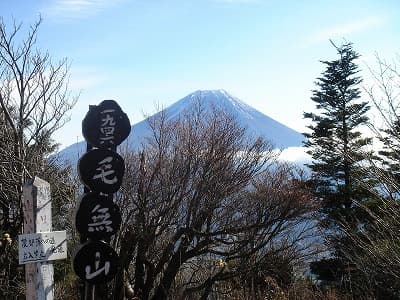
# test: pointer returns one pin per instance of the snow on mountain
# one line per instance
(257, 123)
(296, 155)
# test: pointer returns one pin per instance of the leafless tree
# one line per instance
(204, 203)
(34, 102)
(384, 93)
(384, 90)
(374, 247)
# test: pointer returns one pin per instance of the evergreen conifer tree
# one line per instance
(336, 146)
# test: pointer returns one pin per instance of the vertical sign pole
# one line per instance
(98, 218)
(37, 218)
(89, 288)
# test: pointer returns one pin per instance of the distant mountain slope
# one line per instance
(256, 122)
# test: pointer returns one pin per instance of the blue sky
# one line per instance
(148, 52)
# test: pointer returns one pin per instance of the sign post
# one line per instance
(97, 217)
(42, 246)
(37, 218)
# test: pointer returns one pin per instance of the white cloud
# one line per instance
(64, 10)
(343, 30)
(296, 155)
(86, 77)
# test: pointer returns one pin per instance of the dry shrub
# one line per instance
(302, 290)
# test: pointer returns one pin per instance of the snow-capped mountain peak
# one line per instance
(221, 99)
(257, 123)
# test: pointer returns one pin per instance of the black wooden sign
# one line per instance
(97, 217)
(95, 262)
(101, 170)
(106, 125)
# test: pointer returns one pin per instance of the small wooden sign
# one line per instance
(42, 246)
(106, 125)
(101, 170)
(95, 262)
(97, 217)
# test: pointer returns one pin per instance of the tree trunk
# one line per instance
(169, 275)
(139, 272)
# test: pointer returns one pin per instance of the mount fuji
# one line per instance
(256, 123)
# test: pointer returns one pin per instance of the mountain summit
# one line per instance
(253, 120)
(256, 122)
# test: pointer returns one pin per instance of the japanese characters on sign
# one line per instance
(43, 246)
(101, 170)
(97, 217)
(106, 125)
(95, 262)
